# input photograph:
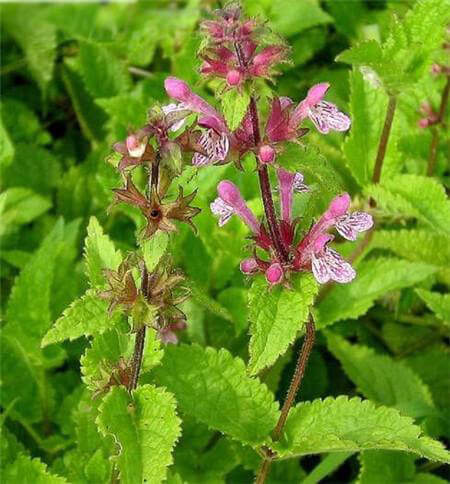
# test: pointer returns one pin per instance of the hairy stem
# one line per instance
(435, 138)
(139, 343)
(392, 103)
(296, 381)
(266, 191)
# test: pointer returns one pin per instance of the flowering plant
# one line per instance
(264, 272)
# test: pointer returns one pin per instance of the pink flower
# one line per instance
(327, 264)
(167, 334)
(325, 116)
(230, 202)
(180, 91)
(215, 148)
(288, 183)
(266, 154)
(132, 150)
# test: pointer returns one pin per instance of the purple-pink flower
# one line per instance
(229, 202)
(325, 116)
(215, 147)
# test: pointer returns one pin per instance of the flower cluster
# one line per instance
(312, 251)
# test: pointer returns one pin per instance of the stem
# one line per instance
(435, 138)
(296, 381)
(384, 138)
(299, 372)
(266, 191)
(139, 342)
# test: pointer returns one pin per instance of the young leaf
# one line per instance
(374, 278)
(382, 379)
(145, 427)
(24, 469)
(414, 196)
(214, 387)
(86, 316)
(99, 253)
(436, 302)
(154, 248)
(275, 324)
(351, 425)
(234, 105)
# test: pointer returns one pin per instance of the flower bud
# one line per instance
(274, 274)
(423, 123)
(266, 154)
(135, 146)
(316, 93)
(230, 194)
(234, 77)
(249, 266)
(177, 89)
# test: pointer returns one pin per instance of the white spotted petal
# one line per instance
(327, 117)
(216, 148)
(329, 265)
(222, 210)
(350, 224)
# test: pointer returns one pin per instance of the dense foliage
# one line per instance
(220, 346)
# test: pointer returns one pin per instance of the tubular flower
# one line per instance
(215, 149)
(325, 116)
(230, 202)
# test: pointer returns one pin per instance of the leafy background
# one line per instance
(74, 79)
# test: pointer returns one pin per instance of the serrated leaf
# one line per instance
(436, 302)
(215, 388)
(145, 427)
(27, 470)
(104, 74)
(36, 37)
(276, 317)
(415, 245)
(382, 379)
(21, 206)
(414, 196)
(99, 252)
(368, 110)
(374, 278)
(154, 248)
(234, 106)
(86, 316)
(352, 425)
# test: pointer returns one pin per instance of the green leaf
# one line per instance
(302, 16)
(27, 470)
(352, 425)
(436, 302)
(413, 196)
(6, 146)
(21, 206)
(90, 116)
(374, 278)
(99, 252)
(86, 316)
(36, 37)
(386, 466)
(104, 74)
(368, 110)
(153, 249)
(145, 427)
(234, 106)
(200, 296)
(382, 379)
(215, 388)
(415, 245)
(327, 466)
(275, 324)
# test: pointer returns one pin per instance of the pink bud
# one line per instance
(135, 146)
(234, 77)
(249, 266)
(316, 93)
(177, 89)
(436, 69)
(268, 55)
(274, 274)
(266, 154)
(423, 123)
(339, 206)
